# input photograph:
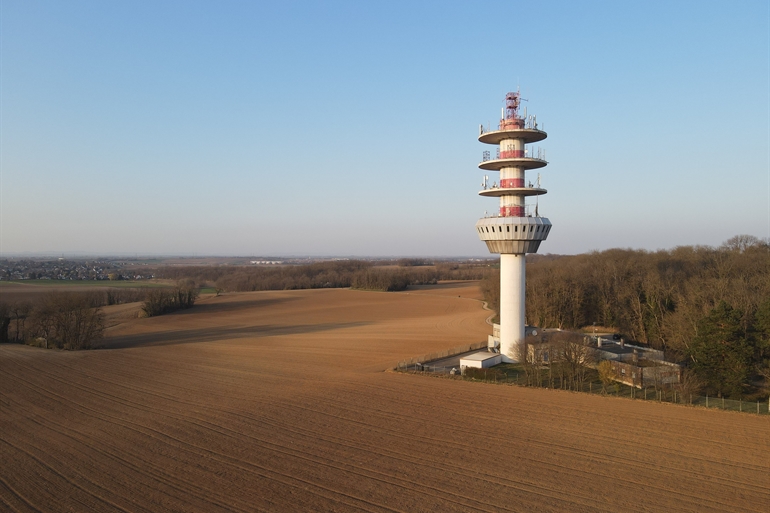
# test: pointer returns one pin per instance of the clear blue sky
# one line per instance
(349, 128)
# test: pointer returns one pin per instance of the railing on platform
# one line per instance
(529, 124)
(538, 154)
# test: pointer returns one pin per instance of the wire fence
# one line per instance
(418, 363)
(590, 384)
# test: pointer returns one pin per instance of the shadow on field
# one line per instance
(213, 334)
(228, 306)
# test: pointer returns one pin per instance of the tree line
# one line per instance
(336, 274)
(61, 319)
(75, 320)
(699, 304)
(386, 280)
(164, 300)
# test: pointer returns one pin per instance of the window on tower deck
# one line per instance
(507, 228)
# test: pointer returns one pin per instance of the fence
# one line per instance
(416, 363)
(518, 375)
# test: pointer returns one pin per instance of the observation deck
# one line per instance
(528, 135)
(520, 162)
(496, 192)
(513, 234)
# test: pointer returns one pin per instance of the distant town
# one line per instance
(63, 269)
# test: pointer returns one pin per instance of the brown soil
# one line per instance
(277, 401)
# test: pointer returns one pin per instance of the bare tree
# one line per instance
(69, 320)
(20, 311)
(606, 374)
(5, 320)
(689, 385)
(574, 355)
(741, 243)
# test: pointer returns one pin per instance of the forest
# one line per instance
(706, 307)
(335, 274)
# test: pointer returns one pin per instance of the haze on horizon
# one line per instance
(348, 128)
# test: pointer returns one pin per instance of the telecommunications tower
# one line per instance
(515, 230)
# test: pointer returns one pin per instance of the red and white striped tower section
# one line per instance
(514, 232)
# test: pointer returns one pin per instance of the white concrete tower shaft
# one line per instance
(514, 231)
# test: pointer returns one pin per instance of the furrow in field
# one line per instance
(372, 474)
(242, 465)
(567, 452)
(52, 465)
(13, 500)
(145, 474)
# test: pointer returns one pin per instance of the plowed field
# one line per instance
(277, 401)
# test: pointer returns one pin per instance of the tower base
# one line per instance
(512, 291)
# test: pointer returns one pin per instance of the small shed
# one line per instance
(481, 360)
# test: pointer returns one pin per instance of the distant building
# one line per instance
(637, 366)
(632, 365)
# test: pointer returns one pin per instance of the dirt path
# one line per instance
(277, 401)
